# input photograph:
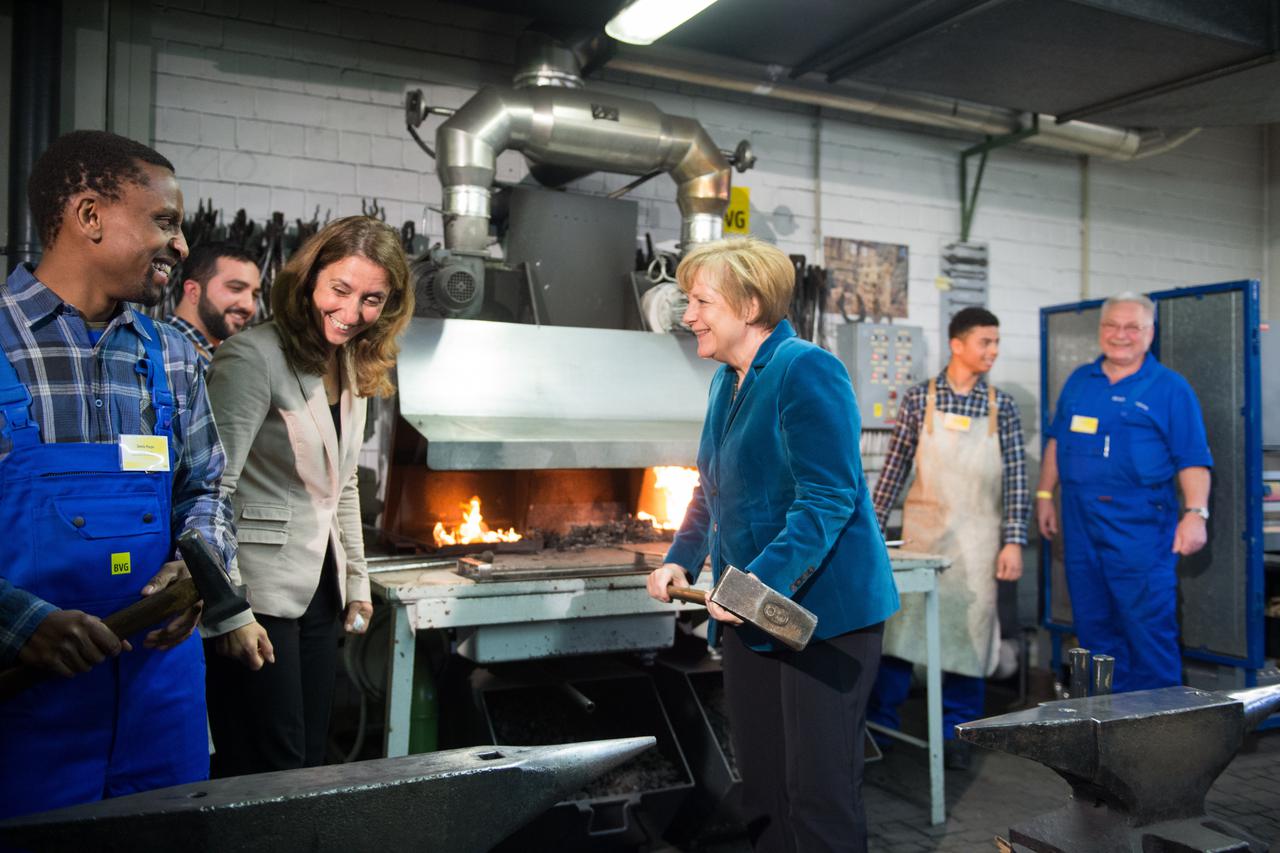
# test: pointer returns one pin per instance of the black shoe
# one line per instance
(956, 755)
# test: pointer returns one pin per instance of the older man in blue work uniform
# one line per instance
(107, 452)
(1125, 430)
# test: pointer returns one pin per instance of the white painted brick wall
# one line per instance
(286, 105)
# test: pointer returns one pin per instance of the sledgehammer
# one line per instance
(743, 595)
(208, 583)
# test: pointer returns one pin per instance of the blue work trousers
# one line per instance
(963, 696)
(83, 534)
(1122, 574)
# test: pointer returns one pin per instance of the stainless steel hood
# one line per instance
(509, 396)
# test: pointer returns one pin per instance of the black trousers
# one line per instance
(796, 720)
(278, 717)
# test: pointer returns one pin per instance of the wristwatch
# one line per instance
(1203, 512)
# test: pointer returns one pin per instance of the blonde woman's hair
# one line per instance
(373, 350)
(742, 269)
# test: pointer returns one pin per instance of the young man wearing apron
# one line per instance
(107, 452)
(969, 502)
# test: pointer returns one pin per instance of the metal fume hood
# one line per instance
(491, 395)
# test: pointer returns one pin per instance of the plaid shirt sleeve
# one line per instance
(902, 453)
(20, 614)
(1013, 481)
(198, 475)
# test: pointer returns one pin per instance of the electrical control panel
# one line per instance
(884, 361)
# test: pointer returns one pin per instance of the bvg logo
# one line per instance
(121, 564)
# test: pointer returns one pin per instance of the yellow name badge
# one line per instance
(144, 453)
(121, 564)
(959, 423)
(1080, 423)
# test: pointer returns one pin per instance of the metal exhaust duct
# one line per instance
(565, 132)
(1075, 137)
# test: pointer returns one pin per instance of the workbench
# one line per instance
(429, 595)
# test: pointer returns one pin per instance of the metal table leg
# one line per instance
(399, 682)
(933, 683)
(923, 580)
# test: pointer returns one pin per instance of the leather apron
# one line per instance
(84, 535)
(954, 509)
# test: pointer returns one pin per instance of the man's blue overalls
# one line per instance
(1119, 514)
(82, 534)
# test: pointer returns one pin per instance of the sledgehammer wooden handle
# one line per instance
(173, 599)
(687, 593)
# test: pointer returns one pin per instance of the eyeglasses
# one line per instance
(1128, 328)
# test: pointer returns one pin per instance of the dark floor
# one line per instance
(1001, 790)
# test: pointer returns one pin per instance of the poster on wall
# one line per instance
(865, 280)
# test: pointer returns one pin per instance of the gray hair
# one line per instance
(1148, 307)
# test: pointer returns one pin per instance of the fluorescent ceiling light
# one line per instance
(646, 21)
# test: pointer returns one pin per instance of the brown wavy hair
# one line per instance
(374, 350)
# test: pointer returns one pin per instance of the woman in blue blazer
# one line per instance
(782, 496)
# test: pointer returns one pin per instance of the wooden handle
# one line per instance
(173, 599)
(686, 593)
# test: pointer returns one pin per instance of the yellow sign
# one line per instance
(144, 453)
(959, 423)
(1080, 423)
(877, 409)
(737, 219)
(121, 564)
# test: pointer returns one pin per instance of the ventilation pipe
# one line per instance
(565, 131)
(1075, 137)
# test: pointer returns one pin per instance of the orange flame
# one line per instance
(672, 491)
(472, 529)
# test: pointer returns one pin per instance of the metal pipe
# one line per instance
(543, 61)
(1259, 704)
(33, 114)
(1104, 668)
(1079, 679)
(570, 131)
(582, 700)
(1084, 227)
(929, 110)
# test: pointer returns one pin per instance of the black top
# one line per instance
(334, 410)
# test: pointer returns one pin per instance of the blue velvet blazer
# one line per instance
(782, 493)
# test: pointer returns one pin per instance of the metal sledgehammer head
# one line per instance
(221, 599)
(455, 801)
(744, 595)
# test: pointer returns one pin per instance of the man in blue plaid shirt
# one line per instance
(969, 502)
(108, 451)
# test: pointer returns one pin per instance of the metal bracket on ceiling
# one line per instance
(968, 198)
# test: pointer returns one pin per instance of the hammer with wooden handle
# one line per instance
(745, 596)
(208, 583)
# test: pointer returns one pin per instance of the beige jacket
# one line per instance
(290, 479)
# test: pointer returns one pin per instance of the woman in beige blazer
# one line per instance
(289, 400)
